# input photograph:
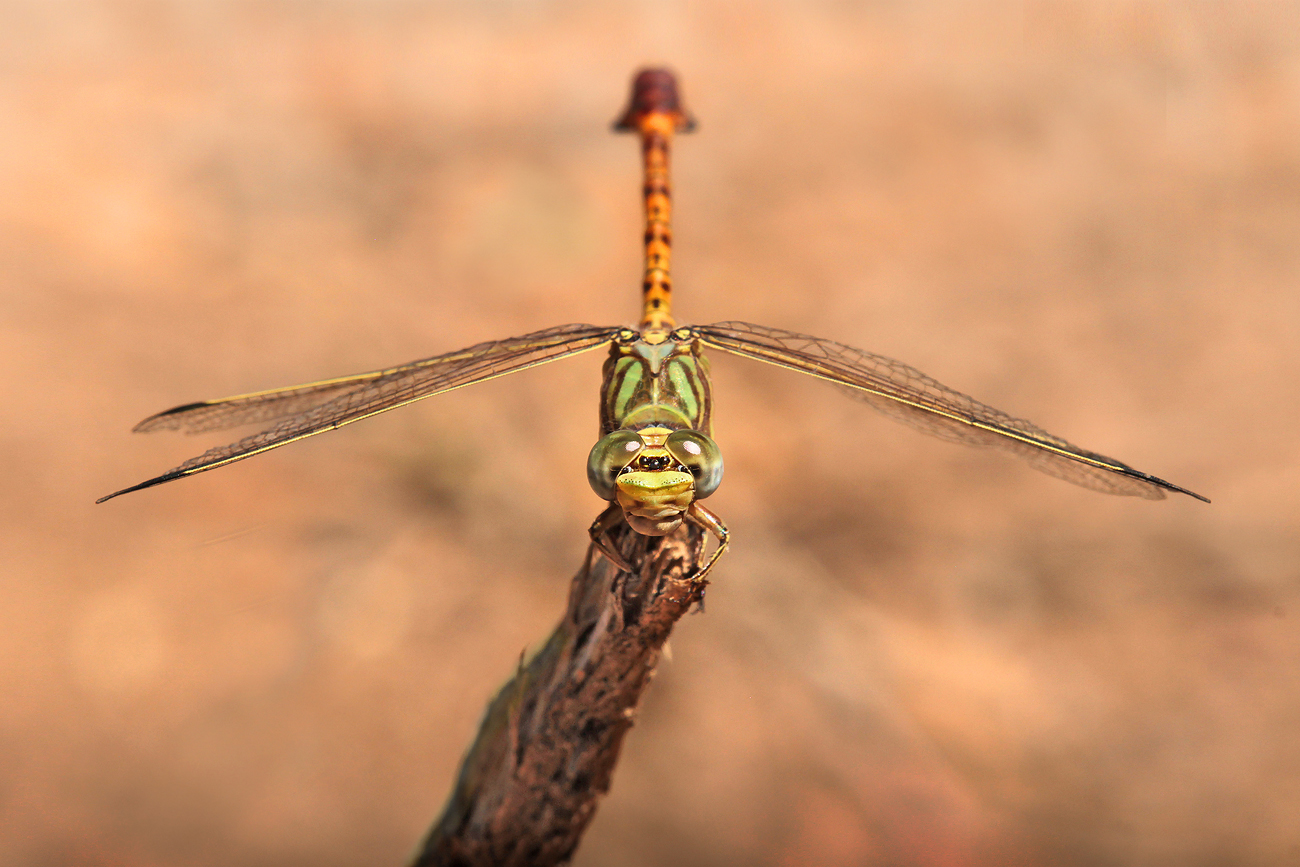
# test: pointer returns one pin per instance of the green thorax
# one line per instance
(656, 380)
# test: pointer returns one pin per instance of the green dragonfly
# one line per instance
(656, 458)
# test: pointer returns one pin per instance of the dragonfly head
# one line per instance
(654, 474)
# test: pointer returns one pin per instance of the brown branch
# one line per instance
(548, 743)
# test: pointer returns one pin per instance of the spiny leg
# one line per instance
(702, 517)
(599, 533)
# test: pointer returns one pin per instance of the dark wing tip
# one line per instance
(1170, 486)
(157, 480)
(1192, 494)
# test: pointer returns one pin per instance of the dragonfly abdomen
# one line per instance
(655, 114)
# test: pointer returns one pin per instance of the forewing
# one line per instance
(306, 410)
(905, 393)
(255, 408)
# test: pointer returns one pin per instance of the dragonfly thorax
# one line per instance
(656, 377)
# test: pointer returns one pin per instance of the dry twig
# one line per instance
(549, 740)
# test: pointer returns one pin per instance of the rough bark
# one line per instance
(546, 749)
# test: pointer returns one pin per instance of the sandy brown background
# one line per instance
(916, 654)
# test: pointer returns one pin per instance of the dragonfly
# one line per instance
(655, 459)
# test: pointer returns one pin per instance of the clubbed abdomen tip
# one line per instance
(654, 92)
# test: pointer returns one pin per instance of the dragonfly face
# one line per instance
(654, 474)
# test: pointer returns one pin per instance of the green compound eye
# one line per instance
(701, 456)
(608, 457)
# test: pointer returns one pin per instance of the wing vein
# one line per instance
(910, 396)
(306, 410)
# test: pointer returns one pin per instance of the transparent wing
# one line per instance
(907, 394)
(305, 410)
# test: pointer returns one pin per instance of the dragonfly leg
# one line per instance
(600, 536)
(702, 517)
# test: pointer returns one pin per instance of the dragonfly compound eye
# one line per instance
(610, 456)
(701, 457)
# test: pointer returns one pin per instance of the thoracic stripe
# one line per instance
(629, 373)
(683, 380)
(634, 395)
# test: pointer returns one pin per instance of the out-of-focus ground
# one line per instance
(916, 654)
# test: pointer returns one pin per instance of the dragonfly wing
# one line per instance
(306, 410)
(905, 393)
(242, 409)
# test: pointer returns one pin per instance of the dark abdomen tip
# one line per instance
(654, 91)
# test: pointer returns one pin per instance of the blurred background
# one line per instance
(1084, 213)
